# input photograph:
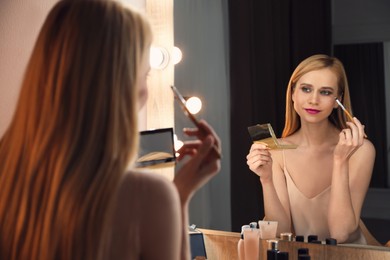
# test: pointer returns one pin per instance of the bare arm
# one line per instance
(276, 203)
(352, 169)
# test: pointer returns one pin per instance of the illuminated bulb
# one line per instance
(176, 55)
(177, 143)
(194, 105)
(159, 58)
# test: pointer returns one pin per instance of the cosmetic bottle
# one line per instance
(280, 255)
(286, 236)
(331, 241)
(271, 254)
(311, 238)
(240, 245)
(251, 244)
(272, 249)
(268, 229)
(303, 251)
(299, 238)
(303, 254)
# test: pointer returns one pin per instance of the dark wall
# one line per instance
(364, 66)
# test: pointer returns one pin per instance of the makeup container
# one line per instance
(286, 236)
(280, 255)
(303, 251)
(272, 249)
(268, 229)
(240, 245)
(299, 238)
(331, 241)
(251, 242)
(311, 238)
(272, 244)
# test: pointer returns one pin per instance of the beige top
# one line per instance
(309, 215)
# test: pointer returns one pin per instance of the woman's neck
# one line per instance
(318, 134)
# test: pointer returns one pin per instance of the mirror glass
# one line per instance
(201, 32)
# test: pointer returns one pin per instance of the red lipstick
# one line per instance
(312, 111)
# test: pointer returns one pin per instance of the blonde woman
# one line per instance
(64, 189)
(318, 188)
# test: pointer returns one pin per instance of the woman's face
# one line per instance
(314, 95)
(142, 80)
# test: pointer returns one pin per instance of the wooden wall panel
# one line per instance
(159, 110)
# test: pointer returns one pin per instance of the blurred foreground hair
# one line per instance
(74, 131)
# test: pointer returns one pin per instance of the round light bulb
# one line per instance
(159, 58)
(176, 55)
(177, 143)
(194, 105)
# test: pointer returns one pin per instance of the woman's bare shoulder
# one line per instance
(368, 146)
(145, 182)
(290, 140)
(142, 198)
(278, 153)
(277, 158)
(366, 152)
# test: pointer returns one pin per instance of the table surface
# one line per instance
(221, 245)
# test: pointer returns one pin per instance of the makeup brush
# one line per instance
(350, 117)
(344, 109)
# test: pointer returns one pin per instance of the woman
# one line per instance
(65, 191)
(319, 187)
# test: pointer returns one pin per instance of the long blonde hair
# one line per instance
(73, 133)
(317, 62)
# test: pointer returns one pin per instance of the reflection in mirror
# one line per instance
(361, 37)
(201, 34)
(200, 31)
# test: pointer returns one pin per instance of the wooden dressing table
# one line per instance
(222, 245)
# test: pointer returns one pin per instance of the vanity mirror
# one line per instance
(213, 64)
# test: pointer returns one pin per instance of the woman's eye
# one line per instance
(306, 89)
(326, 92)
